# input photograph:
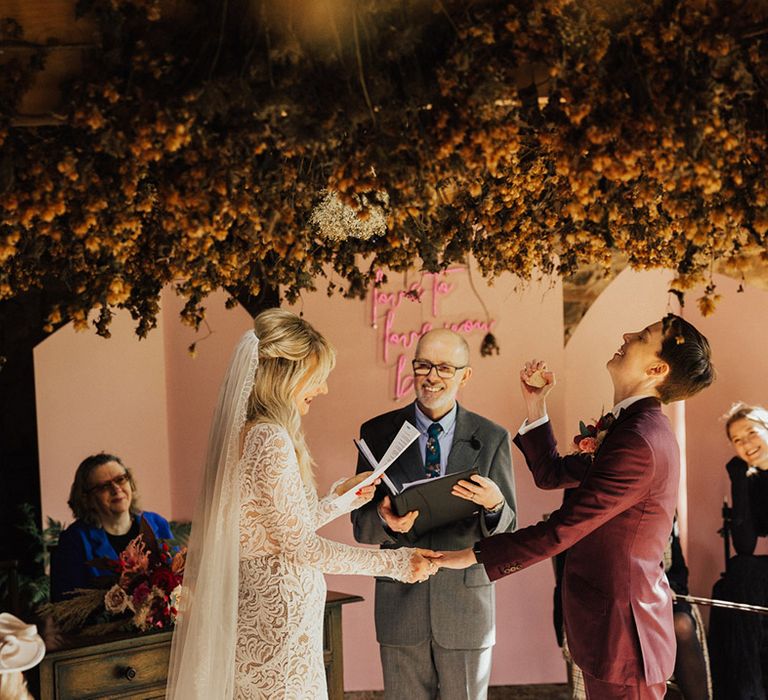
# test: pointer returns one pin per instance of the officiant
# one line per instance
(438, 635)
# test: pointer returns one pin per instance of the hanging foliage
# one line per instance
(227, 146)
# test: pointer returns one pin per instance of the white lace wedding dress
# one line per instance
(279, 653)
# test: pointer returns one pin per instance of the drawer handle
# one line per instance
(129, 673)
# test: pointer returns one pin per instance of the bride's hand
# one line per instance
(364, 494)
(423, 565)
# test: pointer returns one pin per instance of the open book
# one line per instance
(436, 504)
(405, 436)
(431, 496)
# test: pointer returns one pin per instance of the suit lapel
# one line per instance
(410, 466)
(466, 444)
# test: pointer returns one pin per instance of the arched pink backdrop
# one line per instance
(150, 402)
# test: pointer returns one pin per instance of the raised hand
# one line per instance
(396, 523)
(480, 490)
(536, 381)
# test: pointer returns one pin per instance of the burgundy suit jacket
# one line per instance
(616, 599)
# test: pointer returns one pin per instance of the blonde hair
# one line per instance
(740, 410)
(291, 351)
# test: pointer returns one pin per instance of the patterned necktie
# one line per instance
(432, 455)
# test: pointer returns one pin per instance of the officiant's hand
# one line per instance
(396, 523)
(480, 490)
(364, 494)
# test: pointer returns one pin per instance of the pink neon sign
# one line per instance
(388, 302)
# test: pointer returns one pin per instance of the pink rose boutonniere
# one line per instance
(591, 435)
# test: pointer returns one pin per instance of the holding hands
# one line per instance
(423, 564)
(459, 559)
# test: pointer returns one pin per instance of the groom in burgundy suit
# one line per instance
(616, 600)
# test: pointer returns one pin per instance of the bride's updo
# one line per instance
(290, 351)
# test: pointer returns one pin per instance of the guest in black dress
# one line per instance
(737, 640)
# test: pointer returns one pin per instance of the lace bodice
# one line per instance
(282, 558)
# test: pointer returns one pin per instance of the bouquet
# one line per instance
(141, 592)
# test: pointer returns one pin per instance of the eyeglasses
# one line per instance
(421, 368)
(106, 486)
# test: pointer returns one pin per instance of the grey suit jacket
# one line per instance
(456, 608)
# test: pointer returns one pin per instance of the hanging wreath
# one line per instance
(206, 148)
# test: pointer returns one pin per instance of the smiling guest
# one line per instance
(736, 638)
(617, 602)
(103, 501)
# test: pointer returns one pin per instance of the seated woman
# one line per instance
(103, 501)
(737, 639)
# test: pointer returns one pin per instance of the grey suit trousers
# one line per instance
(428, 671)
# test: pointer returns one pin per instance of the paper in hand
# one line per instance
(405, 436)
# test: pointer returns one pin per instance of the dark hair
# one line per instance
(80, 500)
(688, 355)
(757, 414)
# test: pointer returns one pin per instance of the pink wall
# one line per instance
(363, 385)
(738, 333)
(192, 385)
(151, 402)
(93, 395)
(635, 299)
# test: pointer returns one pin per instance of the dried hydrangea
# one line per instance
(337, 220)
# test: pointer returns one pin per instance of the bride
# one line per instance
(251, 611)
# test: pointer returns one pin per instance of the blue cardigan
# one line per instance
(80, 543)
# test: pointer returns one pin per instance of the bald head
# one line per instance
(447, 339)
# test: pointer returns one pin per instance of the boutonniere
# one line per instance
(592, 435)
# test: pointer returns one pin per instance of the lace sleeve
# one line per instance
(277, 519)
(328, 507)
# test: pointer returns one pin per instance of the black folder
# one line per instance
(435, 503)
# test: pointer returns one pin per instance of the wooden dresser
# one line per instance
(135, 666)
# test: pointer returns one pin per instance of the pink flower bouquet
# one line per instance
(142, 590)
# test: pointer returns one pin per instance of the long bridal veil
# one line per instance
(203, 648)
